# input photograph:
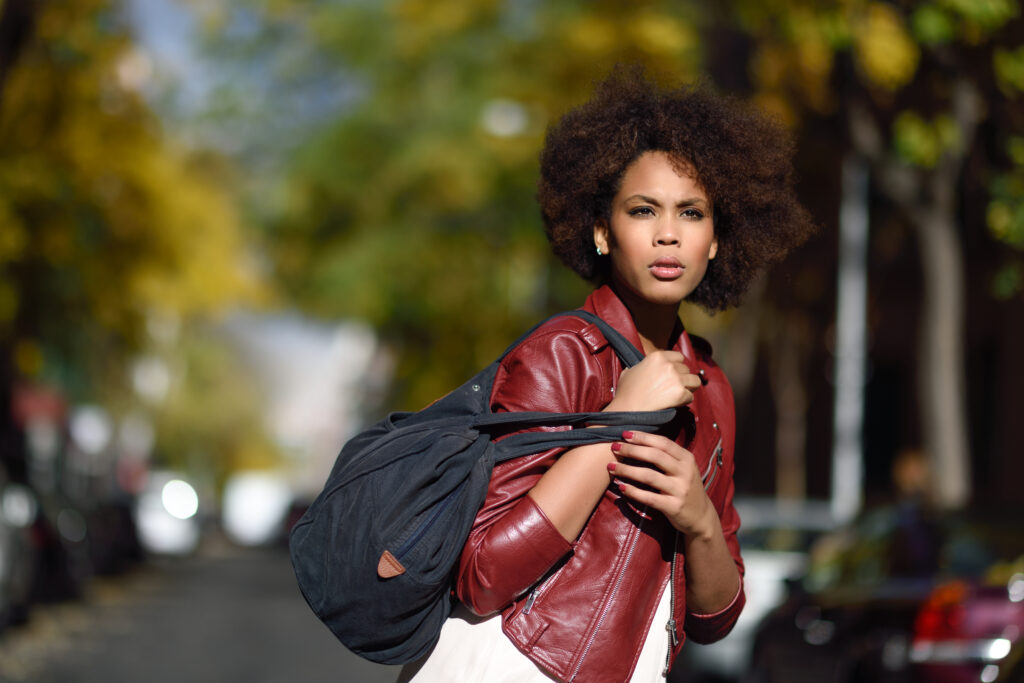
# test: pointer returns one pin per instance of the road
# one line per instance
(223, 616)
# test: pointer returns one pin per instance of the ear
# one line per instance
(713, 251)
(601, 236)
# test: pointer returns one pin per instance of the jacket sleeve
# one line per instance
(513, 544)
(709, 628)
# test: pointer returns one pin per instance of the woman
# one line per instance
(597, 563)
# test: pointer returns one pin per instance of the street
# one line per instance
(225, 615)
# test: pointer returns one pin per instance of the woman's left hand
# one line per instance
(679, 492)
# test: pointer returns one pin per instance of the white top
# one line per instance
(473, 649)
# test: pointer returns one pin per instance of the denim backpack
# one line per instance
(375, 553)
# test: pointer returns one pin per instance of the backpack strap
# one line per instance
(613, 423)
(627, 353)
(624, 349)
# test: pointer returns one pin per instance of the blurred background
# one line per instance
(231, 233)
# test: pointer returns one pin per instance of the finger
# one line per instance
(692, 382)
(643, 475)
(653, 499)
(665, 462)
(671, 356)
(656, 441)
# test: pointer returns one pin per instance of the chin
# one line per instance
(662, 298)
(667, 294)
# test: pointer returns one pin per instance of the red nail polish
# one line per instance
(627, 435)
(611, 467)
(616, 447)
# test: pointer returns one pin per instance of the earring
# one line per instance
(599, 252)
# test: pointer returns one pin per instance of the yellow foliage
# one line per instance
(769, 66)
(1008, 66)
(28, 357)
(778, 107)
(423, 24)
(984, 15)
(922, 142)
(12, 234)
(1000, 220)
(883, 48)
(592, 34)
(660, 34)
(92, 191)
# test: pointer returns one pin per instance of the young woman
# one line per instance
(597, 563)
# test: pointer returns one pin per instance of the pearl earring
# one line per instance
(599, 252)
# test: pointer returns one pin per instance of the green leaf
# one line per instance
(932, 26)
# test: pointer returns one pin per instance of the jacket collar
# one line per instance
(606, 303)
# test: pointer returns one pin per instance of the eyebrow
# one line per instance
(690, 201)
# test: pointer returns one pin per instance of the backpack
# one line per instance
(375, 553)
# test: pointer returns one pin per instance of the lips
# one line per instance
(666, 268)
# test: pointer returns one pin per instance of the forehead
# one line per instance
(656, 170)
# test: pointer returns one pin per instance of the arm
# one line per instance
(513, 544)
(708, 520)
(537, 506)
(676, 490)
(708, 626)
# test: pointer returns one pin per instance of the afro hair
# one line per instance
(741, 158)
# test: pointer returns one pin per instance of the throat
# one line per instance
(655, 322)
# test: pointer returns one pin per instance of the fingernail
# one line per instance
(627, 435)
(616, 446)
(611, 467)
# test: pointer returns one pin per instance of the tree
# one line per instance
(103, 222)
(924, 87)
(413, 208)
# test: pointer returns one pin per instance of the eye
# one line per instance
(693, 214)
(641, 211)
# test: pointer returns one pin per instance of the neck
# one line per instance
(654, 322)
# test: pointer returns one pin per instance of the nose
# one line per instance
(667, 234)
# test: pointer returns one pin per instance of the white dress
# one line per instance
(473, 649)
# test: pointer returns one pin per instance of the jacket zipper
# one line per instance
(670, 627)
(540, 588)
(608, 602)
(711, 472)
(673, 634)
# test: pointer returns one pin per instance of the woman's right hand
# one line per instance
(661, 380)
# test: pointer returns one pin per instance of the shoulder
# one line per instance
(559, 367)
(564, 332)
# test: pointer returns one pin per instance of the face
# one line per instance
(660, 235)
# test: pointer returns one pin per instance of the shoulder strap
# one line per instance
(614, 422)
(623, 348)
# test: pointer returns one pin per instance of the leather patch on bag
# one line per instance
(389, 566)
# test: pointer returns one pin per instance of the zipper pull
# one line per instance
(671, 628)
(529, 601)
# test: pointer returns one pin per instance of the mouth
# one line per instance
(666, 268)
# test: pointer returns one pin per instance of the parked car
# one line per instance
(851, 619)
(18, 551)
(774, 537)
(972, 631)
(168, 515)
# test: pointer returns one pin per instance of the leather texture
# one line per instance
(582, 610)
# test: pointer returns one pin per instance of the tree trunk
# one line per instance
(940, 369)
(17, 21)
(789, 390)
(928, 198)
(851, 342)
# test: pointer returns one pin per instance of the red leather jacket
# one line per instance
(582, 610)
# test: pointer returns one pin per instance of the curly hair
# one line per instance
(741, 158)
